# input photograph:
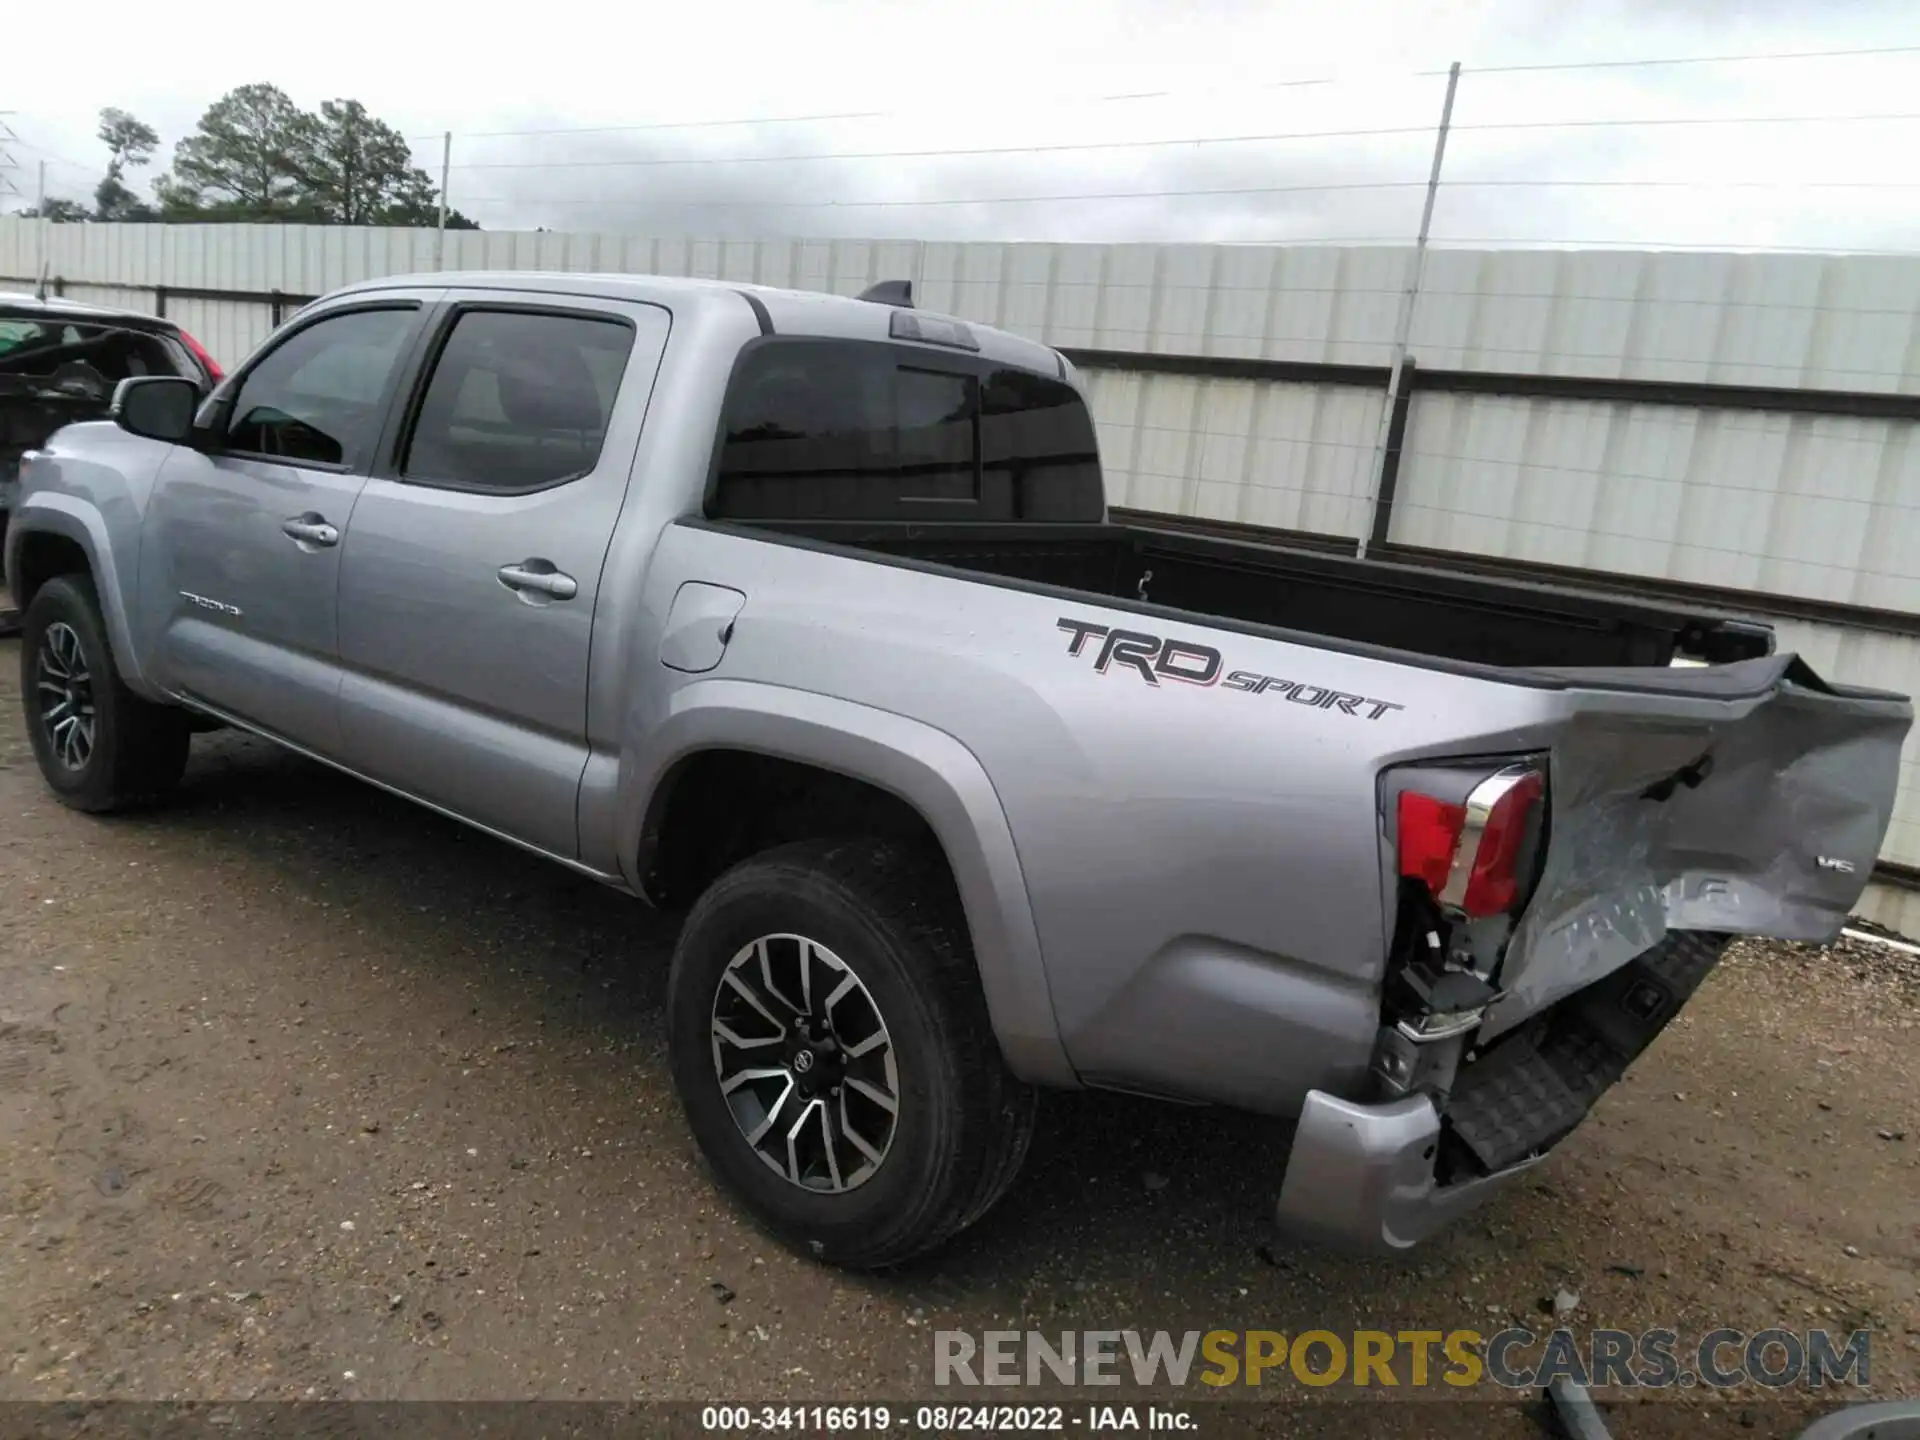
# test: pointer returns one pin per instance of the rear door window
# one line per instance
(853, 430)
(518, 400)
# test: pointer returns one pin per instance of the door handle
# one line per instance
(539, 577)
(310, 529)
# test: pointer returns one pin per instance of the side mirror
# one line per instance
(160, 407)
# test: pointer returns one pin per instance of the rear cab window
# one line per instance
(20, 335)
(62, 369)
(818, 429)
(82, 359)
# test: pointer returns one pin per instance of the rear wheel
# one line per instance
(99, 746)
(833, 1055)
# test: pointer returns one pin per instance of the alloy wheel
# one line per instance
(64, 687)
(805, 1062)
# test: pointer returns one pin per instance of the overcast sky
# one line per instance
(1035, 83)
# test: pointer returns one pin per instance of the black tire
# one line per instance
(964, 1122)
(138, 750)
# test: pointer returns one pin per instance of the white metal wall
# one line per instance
(1293, 457)
(1817, 507)
(1305, 303)
(1823, 507)
(1836, 321)
(1893, 906)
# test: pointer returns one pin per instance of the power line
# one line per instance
(1683, 184)
(1689, 120)
(1330, 188)
(665, 125)
(1682, 60)
(53, 159)
(1075, 147)
(1307, 82)
(1081, 147)
(1439, 242)
(1284, 242)
(698, 202)
(820, 118)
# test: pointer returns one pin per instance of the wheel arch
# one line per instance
(54, 534)
(925, 771)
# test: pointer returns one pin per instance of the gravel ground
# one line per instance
(305, 1092)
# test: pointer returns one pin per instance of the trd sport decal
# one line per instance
(1154, 659)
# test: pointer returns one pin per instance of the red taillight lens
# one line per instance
(1495, 884)
(1429, 834)
(1496, 819)
(214, 371)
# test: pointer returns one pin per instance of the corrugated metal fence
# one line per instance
(1737, 429)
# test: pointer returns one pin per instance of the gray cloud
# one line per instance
(1020, 75)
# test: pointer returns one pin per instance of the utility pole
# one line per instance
(1403, 328)
(446, 170)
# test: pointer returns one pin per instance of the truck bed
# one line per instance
(1455, 617)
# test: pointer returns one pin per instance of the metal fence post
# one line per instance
(1376, 531)
(446, 170)
(1398, 406)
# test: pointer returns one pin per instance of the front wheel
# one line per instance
(99, 746)
(833, 1054)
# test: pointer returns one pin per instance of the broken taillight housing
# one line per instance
(1469, 853)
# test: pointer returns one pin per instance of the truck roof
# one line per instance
(788, 312)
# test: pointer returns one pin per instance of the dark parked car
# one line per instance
(60, 361)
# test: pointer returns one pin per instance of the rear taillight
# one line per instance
(1429, 834)
(1469, 854)
(214, 372)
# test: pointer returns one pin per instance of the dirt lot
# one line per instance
(305, 1092)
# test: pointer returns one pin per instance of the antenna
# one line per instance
(898, 293)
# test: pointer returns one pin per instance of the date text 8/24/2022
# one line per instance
(944, 1419)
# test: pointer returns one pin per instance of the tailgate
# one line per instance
(1746, 799)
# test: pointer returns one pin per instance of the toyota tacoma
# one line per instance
(807, 616)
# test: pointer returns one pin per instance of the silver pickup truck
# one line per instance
(807, 615)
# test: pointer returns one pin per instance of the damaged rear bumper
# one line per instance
(1383, 1175)
(1361, 1177)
